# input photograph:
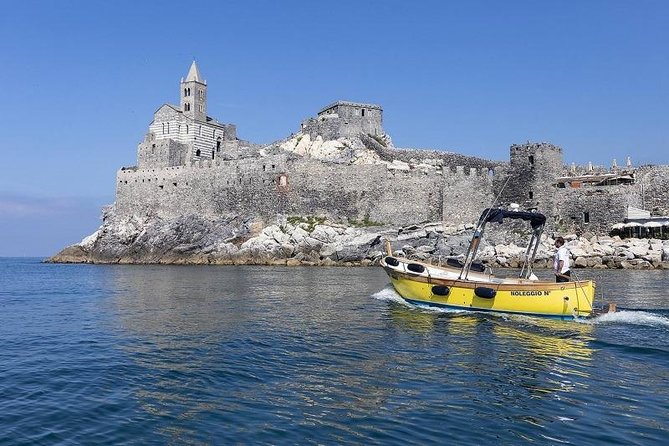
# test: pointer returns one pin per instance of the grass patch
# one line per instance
(365, 223)
(378, 139)
(310, 220)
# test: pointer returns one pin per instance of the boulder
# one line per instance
(624, 253)
(425, 249)
(639, 250)
(593, 261)
(581, 262)
(325, 234)
(603, 249)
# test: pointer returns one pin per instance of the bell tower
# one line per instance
(194, 95)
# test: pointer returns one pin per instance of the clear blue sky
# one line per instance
(81, 80)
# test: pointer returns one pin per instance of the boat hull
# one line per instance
(557, 300)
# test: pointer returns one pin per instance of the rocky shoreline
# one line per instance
(296, 241)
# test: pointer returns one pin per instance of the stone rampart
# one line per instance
(263, 187)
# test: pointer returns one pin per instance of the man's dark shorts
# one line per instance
(563, 279)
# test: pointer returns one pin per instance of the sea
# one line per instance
(209, 355)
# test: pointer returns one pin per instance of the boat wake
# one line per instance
(633, 318)
(389, 294)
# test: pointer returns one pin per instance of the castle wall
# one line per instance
(363, 192)
(602, 206)
(465, 193)
(655, 193)
(207, 188)
(159, 153)
(267, 186)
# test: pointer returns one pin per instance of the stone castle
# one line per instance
(342, 165)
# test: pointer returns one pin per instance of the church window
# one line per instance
(188, 92)
(197, 152)
(531, 195)
(187, 129)
(185, 92)
(586, 217)
(218, 144)
(201, 92)
(212, 155)
(168, 128)
(200, 108)
(531, 160)
(363, 112)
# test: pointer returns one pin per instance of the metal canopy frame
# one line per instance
(537, 222)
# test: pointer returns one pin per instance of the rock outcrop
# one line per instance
(313, 241)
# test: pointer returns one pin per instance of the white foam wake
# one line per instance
(389, 294)
(634, 318)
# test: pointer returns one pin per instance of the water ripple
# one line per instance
(209, 355)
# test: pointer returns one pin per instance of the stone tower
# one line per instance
(194, 95)
(533, 169)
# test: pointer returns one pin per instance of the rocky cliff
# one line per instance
(230, 239)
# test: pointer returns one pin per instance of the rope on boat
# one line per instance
(578, 284)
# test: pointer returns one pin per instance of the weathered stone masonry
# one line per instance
(190, 164)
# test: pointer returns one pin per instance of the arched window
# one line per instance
(197, 152)
(163, 128)
(200, 108)
(187, 129)
(185, 92)
(188, 90)
(218, 144)
(212, 154)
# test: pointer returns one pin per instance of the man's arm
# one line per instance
(559, 269)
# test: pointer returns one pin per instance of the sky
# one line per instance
(81, 80)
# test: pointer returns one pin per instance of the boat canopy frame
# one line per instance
(537, 221)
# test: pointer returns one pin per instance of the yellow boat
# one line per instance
(469, 285)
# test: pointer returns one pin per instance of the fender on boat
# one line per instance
(485, 292)
(392, 261)
(441, 290)
(416, 267)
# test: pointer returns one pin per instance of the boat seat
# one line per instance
(457, 263)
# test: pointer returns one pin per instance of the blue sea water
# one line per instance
(112, 354)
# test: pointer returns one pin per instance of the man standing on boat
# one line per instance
(561, 262)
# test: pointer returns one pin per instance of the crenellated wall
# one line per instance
(271, 185)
